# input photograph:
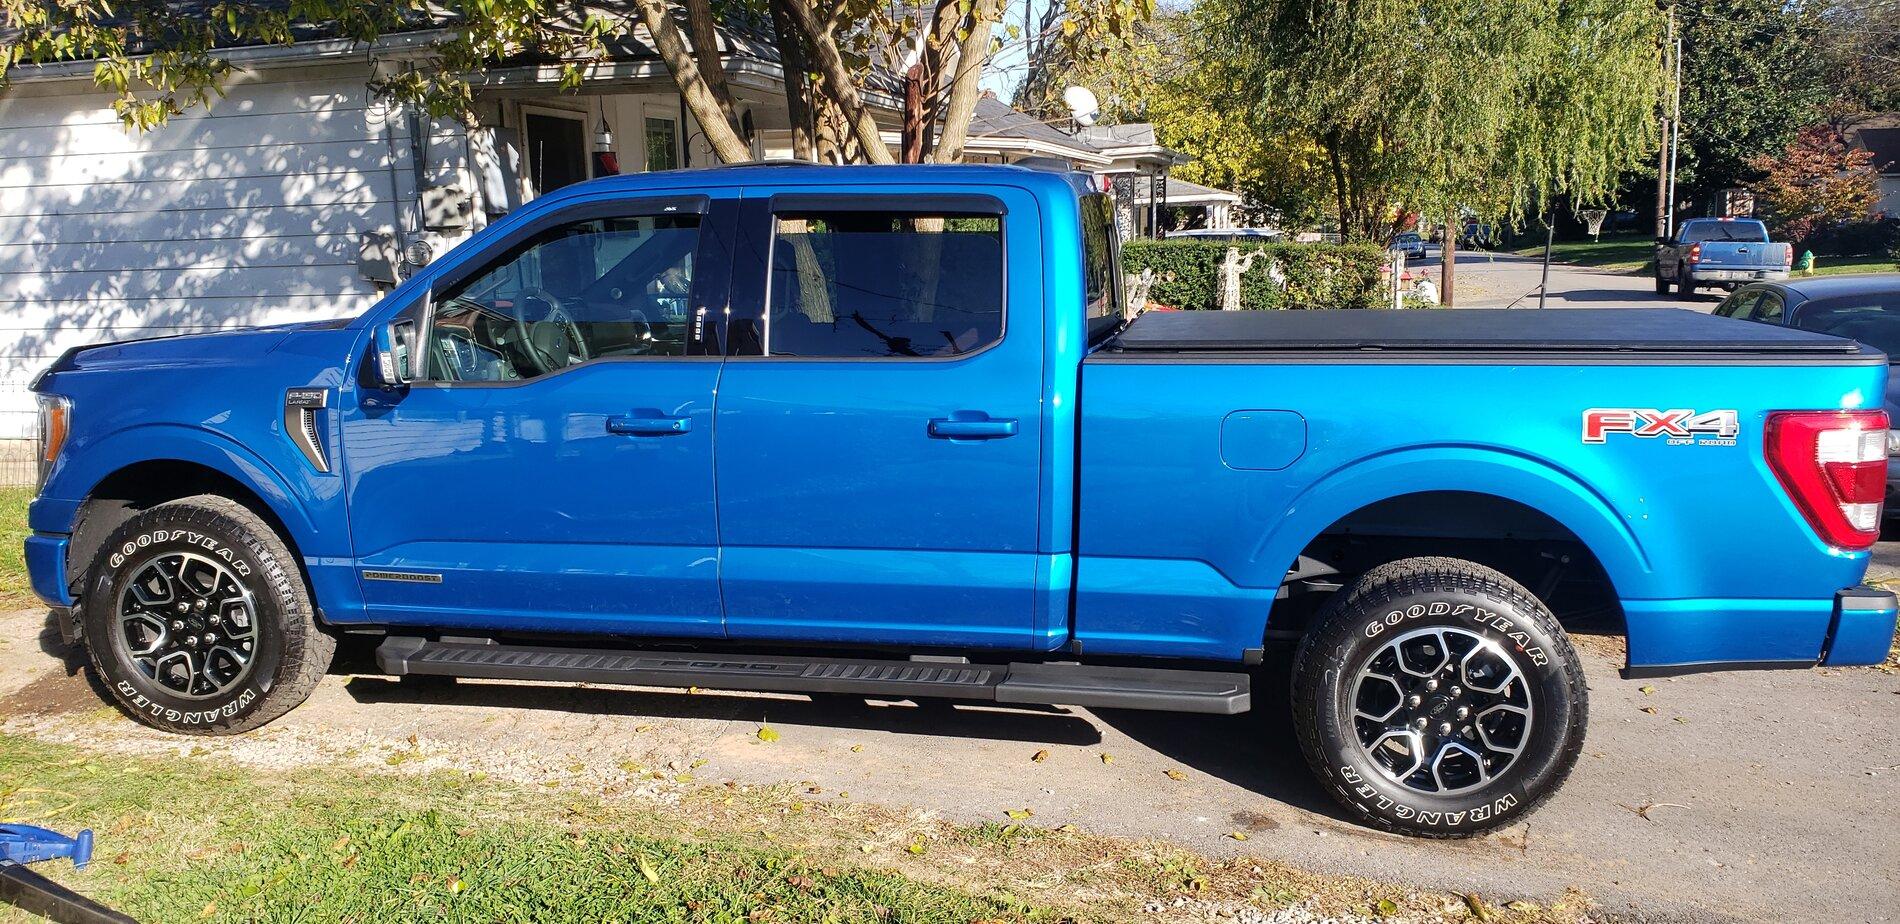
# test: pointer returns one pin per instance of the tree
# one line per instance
(1163, 72)
(1817, 181)
(159, 57)
(1491, 107)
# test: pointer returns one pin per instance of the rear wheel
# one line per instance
(1662, 285)
(1685, 285)
(198, 620)
(1438, 698)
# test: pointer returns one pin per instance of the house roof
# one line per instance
(1885, 145)
(996, 126)
(1182, 192)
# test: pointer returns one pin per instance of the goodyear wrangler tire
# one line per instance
(198, 620)
(1438, 698)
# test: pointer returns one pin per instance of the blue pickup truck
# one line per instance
(1722, 252)
(885, 431)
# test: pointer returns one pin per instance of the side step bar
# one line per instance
(1053, 684)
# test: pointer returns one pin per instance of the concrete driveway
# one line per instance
(1761, 796)
(1502, 280)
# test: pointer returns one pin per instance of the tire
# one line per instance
(1483, 625)
(1685, 286)
(242, 646)
(1662, 285)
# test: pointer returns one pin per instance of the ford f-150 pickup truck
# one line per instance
(884, 431)
(1719, 252)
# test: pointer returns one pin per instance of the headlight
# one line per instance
(56, 420)
(1893, 442)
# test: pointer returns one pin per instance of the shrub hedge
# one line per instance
(1317, 275)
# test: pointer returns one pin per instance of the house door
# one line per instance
(557, 151)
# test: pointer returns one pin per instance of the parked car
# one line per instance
(1864, 308)
(884, 431)
(1719, 251)
(1409, 244)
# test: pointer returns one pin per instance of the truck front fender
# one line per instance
(1471, 469)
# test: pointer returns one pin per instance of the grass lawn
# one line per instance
(13, 586)
(1833, 266)
(1611, 253)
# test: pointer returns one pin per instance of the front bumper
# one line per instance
(1862, 630)
(46, 568)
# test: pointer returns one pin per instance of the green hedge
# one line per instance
(1317, 275)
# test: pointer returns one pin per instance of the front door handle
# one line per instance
(648, 425)
(972, 425)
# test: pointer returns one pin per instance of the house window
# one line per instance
(662, 144)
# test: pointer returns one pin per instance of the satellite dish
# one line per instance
(1084, 108)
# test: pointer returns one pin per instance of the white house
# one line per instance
(298, 195)
(1881, 135)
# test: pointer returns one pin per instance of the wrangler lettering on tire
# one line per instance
(1437, 697)
(199, 619)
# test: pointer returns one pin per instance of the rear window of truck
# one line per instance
(1753, 232)
(878, 284)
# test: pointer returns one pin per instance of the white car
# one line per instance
(1409, 244)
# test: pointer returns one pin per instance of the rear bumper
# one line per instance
(1704, 273)
(1862, 631)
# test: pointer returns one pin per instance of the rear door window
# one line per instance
(884, 284)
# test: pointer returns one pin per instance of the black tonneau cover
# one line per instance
(1480, 330)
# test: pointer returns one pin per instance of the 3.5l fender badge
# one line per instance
(1677, 426)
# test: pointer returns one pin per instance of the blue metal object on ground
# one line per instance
(22, 844)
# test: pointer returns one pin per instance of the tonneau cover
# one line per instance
(1565, 330)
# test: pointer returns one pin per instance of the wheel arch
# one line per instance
(1533, 496)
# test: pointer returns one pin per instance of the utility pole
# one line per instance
(1675, 125)
(1448, 257)
(1663, 226)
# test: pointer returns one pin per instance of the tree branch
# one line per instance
(837, 80)
(699, 19)
(964, 90)
(720, 132)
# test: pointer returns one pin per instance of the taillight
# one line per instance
(1787, 256)
(1833, 464)
(1695, 253)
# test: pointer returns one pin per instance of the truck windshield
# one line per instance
(1872, 319)
(1750, 231)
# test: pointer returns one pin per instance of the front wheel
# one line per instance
(1436, 697)
(198, 621)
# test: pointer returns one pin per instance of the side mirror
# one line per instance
(392, 351)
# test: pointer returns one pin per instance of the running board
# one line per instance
(1052, 684)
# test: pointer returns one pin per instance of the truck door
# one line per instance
(552, 470)
(879, 434)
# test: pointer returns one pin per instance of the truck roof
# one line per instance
(798, 173)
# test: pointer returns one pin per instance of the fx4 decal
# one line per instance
(1678, 426)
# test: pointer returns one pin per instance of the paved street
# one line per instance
(1501, 280)
(1767, 796)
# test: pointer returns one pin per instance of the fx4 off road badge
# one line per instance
(1677, 427)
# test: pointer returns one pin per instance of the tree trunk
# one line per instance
(720, 133)
(791, 56)
(1448, 258)
(699, 19)
(838, 85)
(937, 46)
(1332, 143)
(964, 89)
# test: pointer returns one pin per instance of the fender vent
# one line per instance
(301, 407)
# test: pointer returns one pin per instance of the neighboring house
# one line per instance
(298, 196)
(1881, 135)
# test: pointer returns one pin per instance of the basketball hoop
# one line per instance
(1594, 219)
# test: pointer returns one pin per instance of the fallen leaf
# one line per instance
(857, 749)
(1652, 710)
(1478, 908)
(801, 883)
(456, 885)
(1681, 721)
(641, 728)
(1175, 774)
(916, 847)
(1237, 835)
(1642, 811)
(210, 909)
(646, 868)
(1040, 756)
(867, 848)
(1019, 814)
(766, 733)
(1388, 907)
(1108, 758)
(1646, 690)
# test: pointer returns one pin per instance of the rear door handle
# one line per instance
(642, 425)
(976, 425)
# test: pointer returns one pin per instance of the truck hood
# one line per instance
(213, 348)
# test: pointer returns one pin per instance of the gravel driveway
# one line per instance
(1768, 796)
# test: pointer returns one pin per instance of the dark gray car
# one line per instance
(1865, 308)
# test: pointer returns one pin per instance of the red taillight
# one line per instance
(1787, 256)
(1695, 253)
(1833, 464)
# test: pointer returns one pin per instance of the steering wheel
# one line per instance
(549, 342)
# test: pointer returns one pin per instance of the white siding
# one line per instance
(247, 212)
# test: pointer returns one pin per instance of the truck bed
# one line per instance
(1671, 332)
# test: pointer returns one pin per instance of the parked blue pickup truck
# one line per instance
(884, 431)
(1722, 252)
